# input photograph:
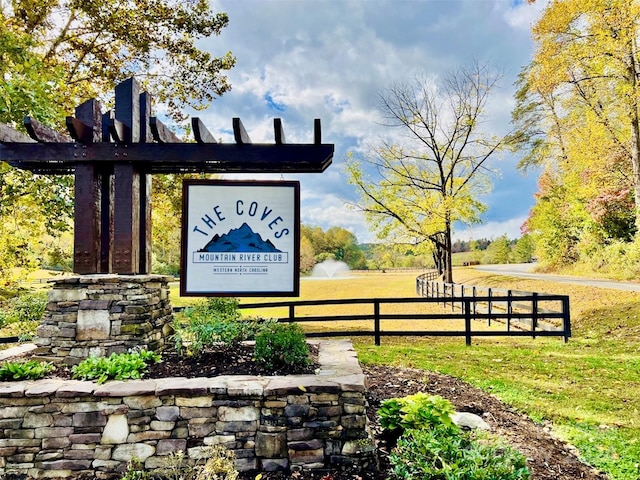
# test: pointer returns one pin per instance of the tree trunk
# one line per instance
(448, 264)
(635, 133)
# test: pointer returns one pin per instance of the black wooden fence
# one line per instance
(480, 312)
(535, 314)
(470, 311)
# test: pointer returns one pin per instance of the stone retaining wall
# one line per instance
(58, 428)
(102, 314)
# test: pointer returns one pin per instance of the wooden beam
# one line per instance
(127, 109)
(146, 135)
(8, 134)
(87, 200)
(278, 131)
(126, 215)
(79, 131)
(118, 130)
(200, 132)
(172, 157)
(317, 132)
(43, 134)
(239, 133)
(162, 133)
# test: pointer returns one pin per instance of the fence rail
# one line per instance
(531, 312)
(511, 322)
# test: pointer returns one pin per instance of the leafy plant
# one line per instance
(24, 308)
(279, 345)
(390, 413)
(437, 453)
(417, 411)
(24, 370)
(215, 321)
(135, 471)
(117, 366)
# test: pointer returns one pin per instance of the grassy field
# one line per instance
(587, 390)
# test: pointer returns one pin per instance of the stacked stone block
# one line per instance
(102, 314)
(70, 428)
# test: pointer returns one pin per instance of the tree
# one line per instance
(336, 243)
(498, 251)
(55, 54)
(582, 88)
(413, 190)
(523, 250)
(95, 44)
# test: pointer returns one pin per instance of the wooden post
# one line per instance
(88, 200)
(126, 252)
(376, 321)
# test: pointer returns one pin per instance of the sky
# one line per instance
(331, 59)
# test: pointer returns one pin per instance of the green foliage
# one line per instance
(24, 370)
(577, 110)
(214, 321)
(417, 411)
(135, 471)
(336, 243)
(27, 307)
(96, 44)
(498, 251)
(523, 250)
(281, 345)
(440, 454)
(117, 366)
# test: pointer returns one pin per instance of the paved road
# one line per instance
(524, 270)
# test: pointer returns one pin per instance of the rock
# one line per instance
(470, 421)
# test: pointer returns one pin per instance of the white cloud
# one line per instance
(491, 230)
(331, 59)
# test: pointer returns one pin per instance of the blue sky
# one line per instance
(329, 59)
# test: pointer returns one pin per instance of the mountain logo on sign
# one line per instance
(242, 239)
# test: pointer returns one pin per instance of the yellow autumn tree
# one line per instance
(578, 99)
(414, 189)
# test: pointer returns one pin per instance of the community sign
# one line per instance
(240, 238)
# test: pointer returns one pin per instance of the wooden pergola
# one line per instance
(113, 155)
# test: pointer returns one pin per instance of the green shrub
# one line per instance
(117, 366)
(214, 321)
(24, 370)
(27, 307)
(280, 345)
(416, 411)
(442, 454)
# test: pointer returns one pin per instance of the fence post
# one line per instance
(534, 313)
(508, 310)
(475, 303)
(467, 321)
(292, 314)
(376, 321)
(566, 319)
(462, 304)
(490, 304)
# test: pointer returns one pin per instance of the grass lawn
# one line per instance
(587, 390)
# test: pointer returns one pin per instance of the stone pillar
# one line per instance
(102, 314)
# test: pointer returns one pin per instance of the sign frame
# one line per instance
(217, 214)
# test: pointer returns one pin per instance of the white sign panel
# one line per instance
(240, 238)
